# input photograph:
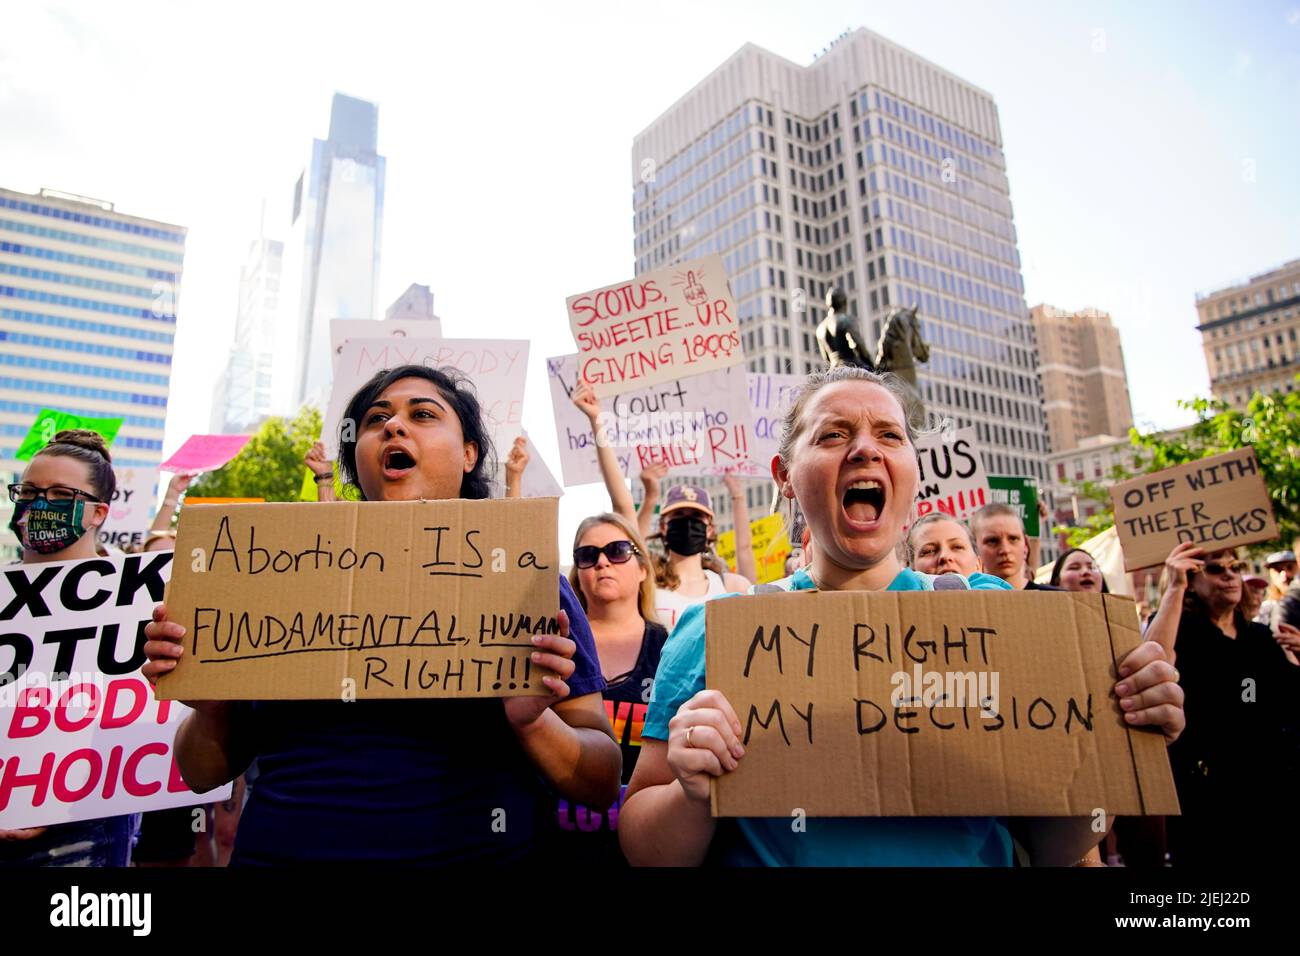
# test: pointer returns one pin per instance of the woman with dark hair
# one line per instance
(847, 456)
(1077, 570)
(1238, 759)
(614, 579)
(60, 501)
(408, 781)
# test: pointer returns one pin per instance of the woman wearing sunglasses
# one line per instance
(614, 580)
(60, 501)
(1237, 759)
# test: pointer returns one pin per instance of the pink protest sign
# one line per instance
(205, 452)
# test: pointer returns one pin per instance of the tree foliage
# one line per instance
(270, 466)
(1269, 423)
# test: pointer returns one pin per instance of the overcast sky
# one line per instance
(1151, 148)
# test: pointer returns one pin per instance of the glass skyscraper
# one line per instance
(333, 252)
(87, 320)
(242, 398)
(871, 170)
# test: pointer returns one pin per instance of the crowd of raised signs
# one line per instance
(613, 764)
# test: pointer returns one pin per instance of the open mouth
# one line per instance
(397, 463)
(864, 501)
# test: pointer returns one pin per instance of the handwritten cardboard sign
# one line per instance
(932, 704)
(131, 509)
(660, 326)
(369, 599)
(1020, 494)
(50, 421)
(343, 329)
(497, 368)
(1216, 502)
(81, 735)
(953, 480)
(701, 425)
(205, 452)
(771, 547)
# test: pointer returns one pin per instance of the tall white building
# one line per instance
(331, 266)
(87, 321)
(243, 395)
(872, 170)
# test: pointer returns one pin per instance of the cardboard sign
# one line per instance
(205, 452)
(81, 735)
(131, 509)
(770, 543)
(194, 500)
(660, 326)
(50, 421)
(770, 396)
(355, 600)
(932, 704)
(1020, 494)
(343, 329)
(497, 367)
(953, 480)
(1217, 502)
(701, 425)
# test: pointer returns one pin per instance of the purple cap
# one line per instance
(687, 496)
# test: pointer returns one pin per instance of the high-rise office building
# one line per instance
(87, 318)
(1248, 332)
(242, 397)
(871, 170)
(416, 303)
(332, 256)
(1081, 368)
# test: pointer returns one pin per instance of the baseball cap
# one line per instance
(1279, 557)
(687, 496)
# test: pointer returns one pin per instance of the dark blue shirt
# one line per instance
(398, 781)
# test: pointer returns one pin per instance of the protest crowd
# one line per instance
(620, 758)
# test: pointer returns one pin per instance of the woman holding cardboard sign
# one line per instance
(1241, 752)
(847, 457)
(408, 781)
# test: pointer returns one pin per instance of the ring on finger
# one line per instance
(688, 736)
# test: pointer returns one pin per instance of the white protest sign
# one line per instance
(343, 329)
(953, 480)
(769, 397)
(537, 480)
(81, 735)
(663, 325)
(131, 509)
(496, 367)
(700, 425)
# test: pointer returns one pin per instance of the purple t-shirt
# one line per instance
(397, 781)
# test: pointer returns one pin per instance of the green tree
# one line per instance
(1270, 423)
(270, 466)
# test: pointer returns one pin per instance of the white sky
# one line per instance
(1151, 152)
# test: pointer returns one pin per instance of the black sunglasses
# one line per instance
(1215, 568)
(618, 552)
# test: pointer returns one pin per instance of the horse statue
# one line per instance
(837, 335)
(901, 345)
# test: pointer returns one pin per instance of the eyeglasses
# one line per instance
(618, 552)
(1215, 568)
(23, 492)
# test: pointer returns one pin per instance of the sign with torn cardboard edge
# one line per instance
(1216, 502)
(845, 698)
(663, 325)
(384, 599)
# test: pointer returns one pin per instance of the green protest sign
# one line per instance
(1020, 494)
(50, 421)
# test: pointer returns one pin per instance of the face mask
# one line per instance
(687, 536)
(48, 526)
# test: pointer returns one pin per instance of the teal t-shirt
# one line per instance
(827, 841)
